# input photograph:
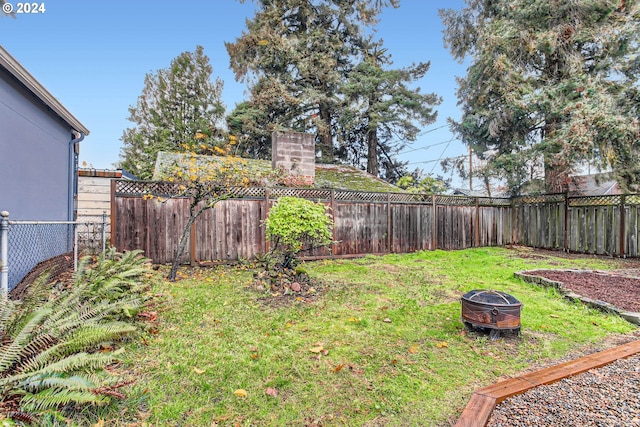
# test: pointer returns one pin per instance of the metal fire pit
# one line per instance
(494, 310)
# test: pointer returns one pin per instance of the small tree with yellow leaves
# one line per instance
(205, 181)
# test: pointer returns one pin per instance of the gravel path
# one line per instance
(604, 397)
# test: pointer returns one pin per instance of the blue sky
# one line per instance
(93, 56)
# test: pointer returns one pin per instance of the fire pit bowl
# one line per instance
(494, 310)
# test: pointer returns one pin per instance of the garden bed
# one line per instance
(615, 291)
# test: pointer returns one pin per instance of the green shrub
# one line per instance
(295, 225)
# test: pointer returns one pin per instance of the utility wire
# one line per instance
(437, 160)
(442, 154)
(423, 148)
(424, 132)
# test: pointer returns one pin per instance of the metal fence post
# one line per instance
(104, 233)
(75, 246)
(4, 254)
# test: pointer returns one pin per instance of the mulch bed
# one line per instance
(59, 268)
(622, 289)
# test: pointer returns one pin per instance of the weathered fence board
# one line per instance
(411, 227)
(231, 230)
(361, 228)
(455, 227)
(539, 224)
(152, 226)
(494, 226)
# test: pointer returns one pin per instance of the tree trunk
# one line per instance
(556, 170)
(180, 249)
(326, 140)
(556, 179)
(372, 153)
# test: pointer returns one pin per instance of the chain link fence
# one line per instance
(25, 244)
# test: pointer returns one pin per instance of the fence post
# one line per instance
(75, 246)
(267, 244)
(4, 254)
(566, 221)
(389, 225)
(333, 218)
(434, 224)
(113, 219)
(514, 232)
(104, 232)
(622, 227)
(476, 234)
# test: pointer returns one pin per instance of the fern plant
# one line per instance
(49, 340)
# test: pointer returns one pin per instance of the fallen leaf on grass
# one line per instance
(272, 392)
(414, 348)
(100, 423)
(442, 344)
(338, 368)
(555, 316)
(317, 349)
(150, 316)
(198, 371)
(386, 320)
(240, 392)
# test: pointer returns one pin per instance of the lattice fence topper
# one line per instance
(305, 193)
(541, 199)
(595, 201)
(169, 189)
(455, 200)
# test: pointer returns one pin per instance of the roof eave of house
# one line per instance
(23, 76)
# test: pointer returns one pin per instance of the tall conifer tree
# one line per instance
(180, 109)
(552, 81)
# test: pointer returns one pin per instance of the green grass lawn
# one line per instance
(381, 344)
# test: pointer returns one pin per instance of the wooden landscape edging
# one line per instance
(483, 401)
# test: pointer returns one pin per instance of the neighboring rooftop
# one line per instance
(593, 185)
(335, 177)
(106, 173)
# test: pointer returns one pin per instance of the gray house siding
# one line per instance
(38, 177)
(36, 172)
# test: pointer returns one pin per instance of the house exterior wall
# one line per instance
(36, 157)
(37, 178)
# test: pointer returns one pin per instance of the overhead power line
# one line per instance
(442, 154)
(424, 148)
(437, 160)
(424, 132)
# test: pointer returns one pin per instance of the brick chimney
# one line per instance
(295, 153)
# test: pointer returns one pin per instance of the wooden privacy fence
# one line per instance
(364, 222)
(374, 223)
(602, 225)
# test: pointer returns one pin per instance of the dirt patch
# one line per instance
(621, 289)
